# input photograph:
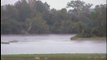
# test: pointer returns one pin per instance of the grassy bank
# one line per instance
(78, 37)
(55, 57)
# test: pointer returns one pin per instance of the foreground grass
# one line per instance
(55, 57)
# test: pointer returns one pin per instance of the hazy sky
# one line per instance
(58, 4)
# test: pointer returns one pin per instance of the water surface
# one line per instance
(49, 44)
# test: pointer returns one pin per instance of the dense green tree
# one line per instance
(90, 26)
(23, 10)
(37, 25)
(37, 18)
(99, 19)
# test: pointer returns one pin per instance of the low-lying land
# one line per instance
(8, 42)
(88, 38)
(55, 57)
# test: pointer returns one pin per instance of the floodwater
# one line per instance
(49, 44)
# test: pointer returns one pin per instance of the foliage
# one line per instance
(38, 18)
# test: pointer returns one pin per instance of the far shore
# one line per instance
(35, 34)
(88, 38)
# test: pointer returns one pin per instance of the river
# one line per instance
(49, 44)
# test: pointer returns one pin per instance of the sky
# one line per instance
(58, 4)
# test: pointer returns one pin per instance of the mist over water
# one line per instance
(49, 44)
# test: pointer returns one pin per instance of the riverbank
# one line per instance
(55, 57)
(88, 38)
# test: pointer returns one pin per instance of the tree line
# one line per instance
(38, 18)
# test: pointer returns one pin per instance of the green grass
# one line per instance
(78, 37)
(55, 57)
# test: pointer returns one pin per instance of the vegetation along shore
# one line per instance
(55, 57)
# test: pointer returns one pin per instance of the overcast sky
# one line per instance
(57, 4)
